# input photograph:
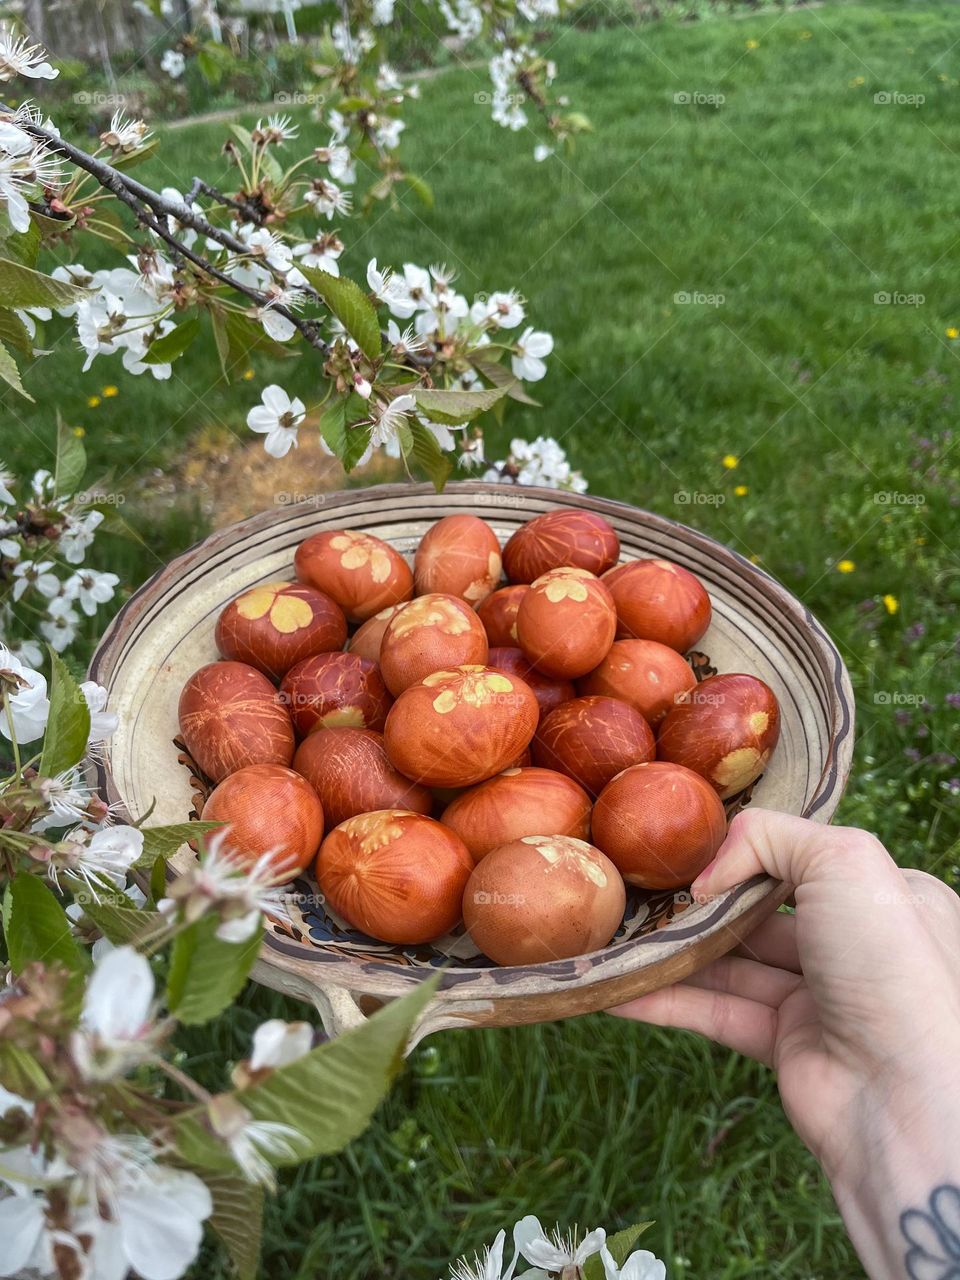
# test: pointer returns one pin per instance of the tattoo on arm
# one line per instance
(933, 1236)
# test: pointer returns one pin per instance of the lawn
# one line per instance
(784, 212)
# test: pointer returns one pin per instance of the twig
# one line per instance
(152, 209)
(199, 187)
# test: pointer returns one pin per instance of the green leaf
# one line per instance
(244, 334)
(38, 929)
(21, 286)
(420, 188)
(25, 245)
(221, 338)
(351, 306)
(207, 974)
(328, 1095)
(13, 332)
(237, 1219)
(357, 437)
(130, 159)
(162, 842)
(498, 376)
(11, 374)
(21, 1073)
(71, 461)
(68, 725)
(120, 924)
(212, 72)
(454, 407)
(173, 344)
(620, 1247)
(158, 881)
(242, 135)
(428, 455)
(332, 427)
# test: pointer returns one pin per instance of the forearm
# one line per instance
(898, 1189)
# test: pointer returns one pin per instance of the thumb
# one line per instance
(795, 850)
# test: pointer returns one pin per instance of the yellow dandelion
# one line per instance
(79, 432)
(248, 375)
(845, 566)
(920, 542)
(752, 44)
(952, 333)
(891, 604)
(730, 460)
(92, 401)
(856, 82)
(806, 35)
(109, 391)
(741, 491)
(755, 559)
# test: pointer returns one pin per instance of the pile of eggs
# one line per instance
(443, 748)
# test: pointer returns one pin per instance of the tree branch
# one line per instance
(152, 209)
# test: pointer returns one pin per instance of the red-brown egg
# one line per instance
(270, 810)
(458, 727)
(725, 729)
(566, 623)
(498, 613)
(431, 633)
(518, 802)
(361, 572)
(660, 824)
(278, 624)
(458, 556)
(659, 600)
(543, 898)
(592, 739)
(349, 770)
(335, 689)
(367, 637)
(231, 716)
(395, 875)
(561, 537)
(648, 675)
(548, 692)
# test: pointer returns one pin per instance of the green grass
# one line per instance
(798, 200)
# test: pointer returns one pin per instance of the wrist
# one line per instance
(906, 1145)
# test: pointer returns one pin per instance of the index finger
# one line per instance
(795, 850)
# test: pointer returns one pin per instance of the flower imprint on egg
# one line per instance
(373, 831)
(360, 550)
(445, 615)
(479, 589)
(564, 584)
(558, 850)
(287, 613)
(477, 688)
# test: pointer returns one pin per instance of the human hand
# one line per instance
(854, 1000)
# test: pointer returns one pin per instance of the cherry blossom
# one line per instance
(25, 706)
(277, 419)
